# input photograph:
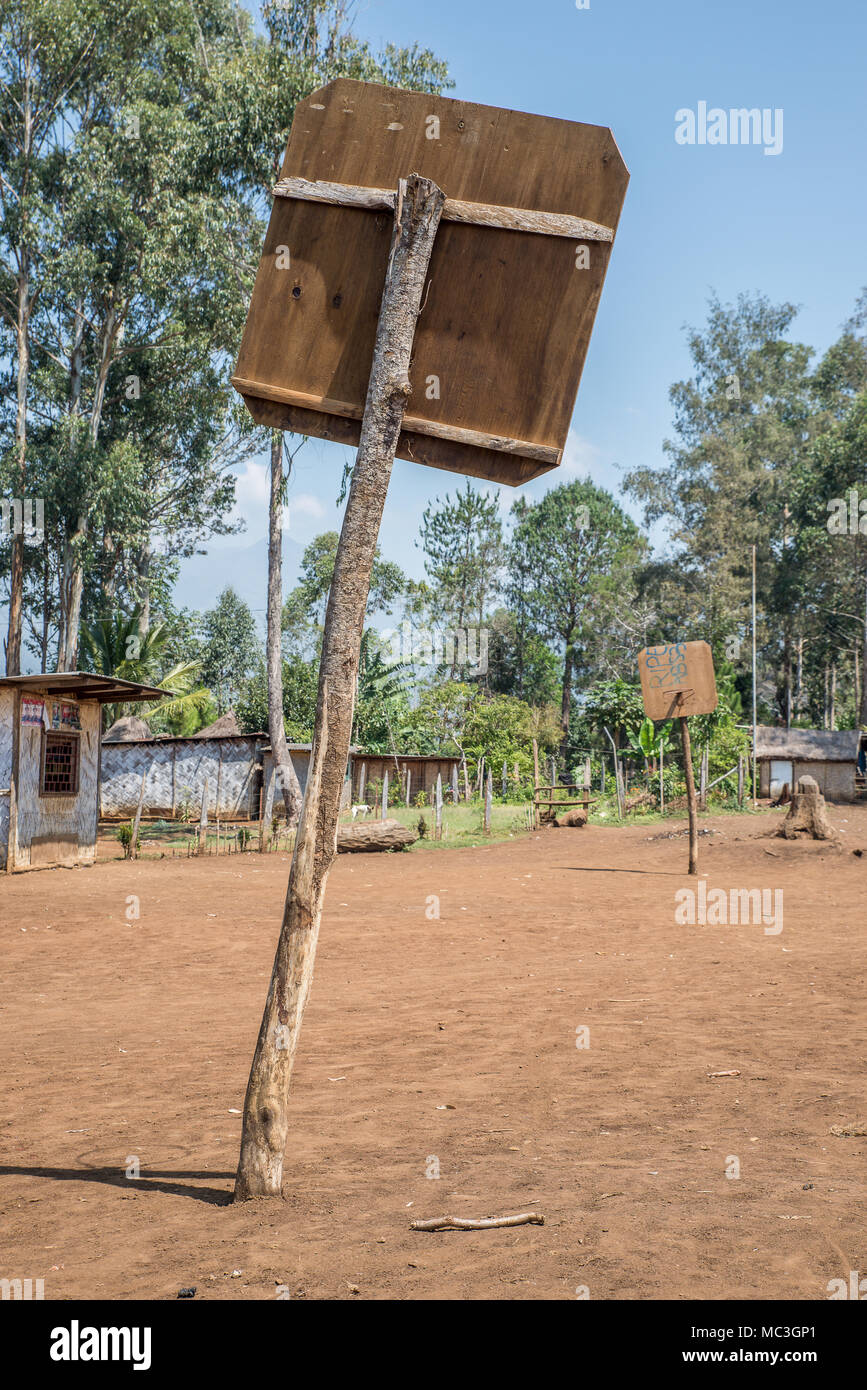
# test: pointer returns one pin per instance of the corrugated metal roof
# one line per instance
(87, 685)
(816, 745)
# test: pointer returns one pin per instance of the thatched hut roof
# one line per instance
(225, 727)
(128, 729)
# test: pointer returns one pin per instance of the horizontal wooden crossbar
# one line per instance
(348, 195)
(413, 424)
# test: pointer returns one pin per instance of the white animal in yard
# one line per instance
(361, 810)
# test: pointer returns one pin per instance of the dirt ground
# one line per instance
(446, 1042)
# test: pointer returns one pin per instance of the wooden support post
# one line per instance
(219, 783)
(741, 781)
(203, 819)
(361, 780)
(703, 772)
(535, 784)
(455, 792)
(466, 778)
(265, 1126)
(438, 804)
(408, 776)
(489, 801)
(588, 787)
(133, 844)
(384, 807)
(505, 781)
(661, 783)
(690, 795)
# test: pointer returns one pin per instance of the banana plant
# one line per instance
(648, 741)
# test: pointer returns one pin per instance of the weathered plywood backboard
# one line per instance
(677, 678)
(507, 314)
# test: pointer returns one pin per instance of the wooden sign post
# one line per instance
(509, 301)
(677, 680)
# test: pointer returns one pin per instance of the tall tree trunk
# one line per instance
(144, 560)
(833, 706)
(266, 1119)
(566, 699)
(787, 676)
(862, 717)
(72, 590)
(288, 779)
(16, 578)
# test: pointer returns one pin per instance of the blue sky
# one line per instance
(697, 218)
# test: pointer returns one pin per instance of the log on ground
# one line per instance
(374, 835)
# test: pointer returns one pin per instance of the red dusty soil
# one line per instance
(448, 1042)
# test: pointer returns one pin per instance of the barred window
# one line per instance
(59, 764)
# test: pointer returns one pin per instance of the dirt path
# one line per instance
(448, 1041)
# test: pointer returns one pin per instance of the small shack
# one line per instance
(419, 771)
(50, 764)
(829, 755)
(176, 770)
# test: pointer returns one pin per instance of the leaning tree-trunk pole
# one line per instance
(287, 778)
(265, 1128)
(690, 796)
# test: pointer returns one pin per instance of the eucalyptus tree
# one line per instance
(742, 421)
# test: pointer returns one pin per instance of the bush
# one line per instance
(124, 835)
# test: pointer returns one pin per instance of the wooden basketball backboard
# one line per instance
(506, 319)
(677, 679)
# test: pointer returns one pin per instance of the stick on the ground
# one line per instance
(266, 1116)
(459, 1223)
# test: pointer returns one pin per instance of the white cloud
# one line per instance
(579, 455)
(305, 504)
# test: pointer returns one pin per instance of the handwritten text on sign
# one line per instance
(666, 667)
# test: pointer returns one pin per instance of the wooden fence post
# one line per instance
(133, 847)
(362, 777)
(438, 804)
(489, 801)
(741, 781)
(265, 1126)
(535, 784)
(408, 775)
(384, 808)
(203, 819)
(455, 792)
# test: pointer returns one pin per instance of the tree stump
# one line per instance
(807, 817)
(574, 818)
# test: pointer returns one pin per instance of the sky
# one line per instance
(698, 218)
